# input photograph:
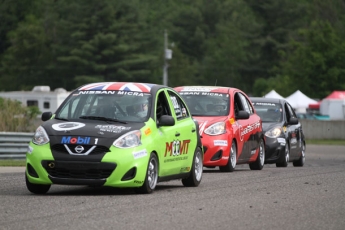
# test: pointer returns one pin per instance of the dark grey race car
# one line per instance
(284, 138)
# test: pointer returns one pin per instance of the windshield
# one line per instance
(206, 103)
(269, 112)
(98, 105)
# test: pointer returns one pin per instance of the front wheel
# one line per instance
(260, 160)
(301, 160)
(285, 161)
(230, 166)
(36, 188)
(151, 176)
(194, 178)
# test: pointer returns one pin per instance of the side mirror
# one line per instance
(293, 121)
(166, 120)
(46, 116)
(242, 115)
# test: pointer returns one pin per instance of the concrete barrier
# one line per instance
(328, 130)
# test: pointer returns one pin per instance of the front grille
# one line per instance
(62, 149)
(78, 169)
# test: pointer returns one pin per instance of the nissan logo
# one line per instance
(79, 149)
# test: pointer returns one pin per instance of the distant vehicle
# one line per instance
(231, 131)
(307, 116)
(284, 138)
(116, 134)
(311, 116)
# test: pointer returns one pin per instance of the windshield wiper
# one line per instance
(60, 118)
(102, 119)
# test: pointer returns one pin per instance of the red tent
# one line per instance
(336, 95)
(333, 95)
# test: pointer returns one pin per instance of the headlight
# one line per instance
(40, 136)
(128, 140)
(274, 132)
(216, 129)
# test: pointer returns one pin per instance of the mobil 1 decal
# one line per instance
(176, 150)
(77, 140)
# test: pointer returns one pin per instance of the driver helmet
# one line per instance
(141, 107)
(220, 105)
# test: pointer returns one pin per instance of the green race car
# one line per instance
(118, 134)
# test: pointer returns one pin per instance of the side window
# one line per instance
(290, 112)
(162, 105)
(237, 103)
(246, 104)
(179, 107)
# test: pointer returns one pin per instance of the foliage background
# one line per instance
(254, 45)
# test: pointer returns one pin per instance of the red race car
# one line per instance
(231, 130)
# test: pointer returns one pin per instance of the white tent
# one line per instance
(273, 94)
(299, 101)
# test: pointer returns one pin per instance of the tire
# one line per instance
(194, 178)
(301, 160)
(36, 188)
(260, 160)
(286, 158)
(230, 166)
(151, 178)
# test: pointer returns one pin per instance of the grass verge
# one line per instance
(12, 163)
(325, 142)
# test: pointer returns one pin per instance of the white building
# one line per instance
(40, 96)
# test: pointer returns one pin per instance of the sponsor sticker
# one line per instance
(220, 143)
(75, 140)
(232, 121)
(282, 141)
(130, 93)
(176, 148)
(202, 126)
(248, 129)
(198, 88)
(112, 128)
(140, 154)
(185, 169)
(67, 126)
(30, 149)
(264, 103)
(147, 131)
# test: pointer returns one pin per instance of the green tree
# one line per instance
(110, 42)
(316, 61)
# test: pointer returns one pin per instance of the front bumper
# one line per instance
(118, 168)
(216, 150)
(274, 149)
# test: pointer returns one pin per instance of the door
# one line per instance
(244, 143)
(185, 135)
(294, 134)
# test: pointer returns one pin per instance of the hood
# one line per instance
(269, 125)
(88, 132)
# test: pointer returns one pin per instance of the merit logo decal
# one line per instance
(176, 148)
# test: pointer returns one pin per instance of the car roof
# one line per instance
(202, 88)
(126, 86)
(266, 99)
